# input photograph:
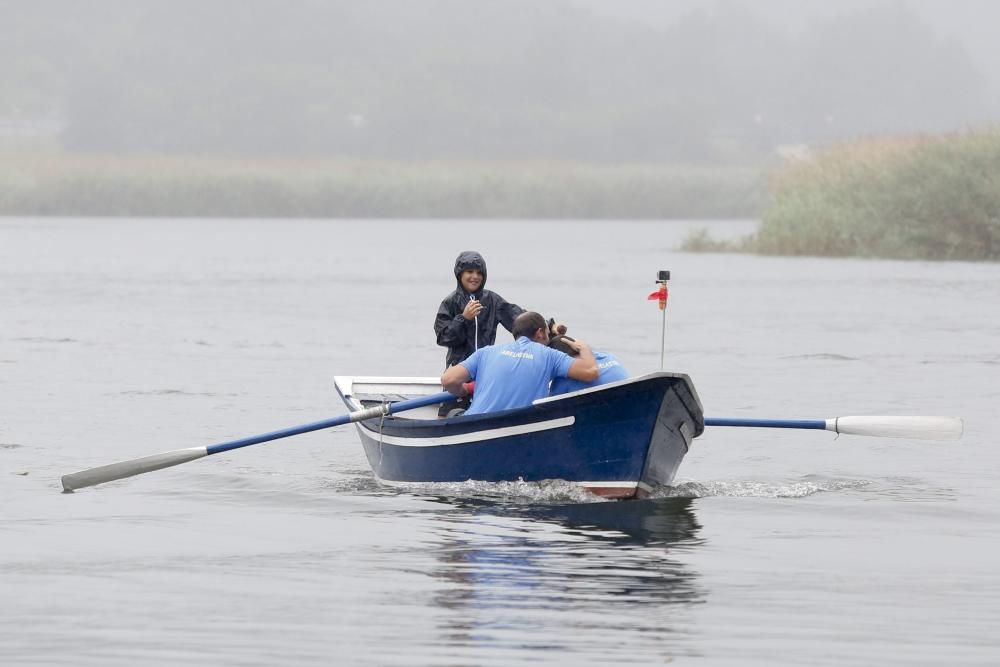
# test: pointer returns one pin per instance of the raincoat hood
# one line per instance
(469, 259)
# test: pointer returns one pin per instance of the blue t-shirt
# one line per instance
(609, 369)
(514, 374)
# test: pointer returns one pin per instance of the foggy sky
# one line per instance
(970, 23)
(620, 80)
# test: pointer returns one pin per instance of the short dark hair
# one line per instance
(562, 343)
(527, 323)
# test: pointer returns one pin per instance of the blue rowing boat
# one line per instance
(619, 440)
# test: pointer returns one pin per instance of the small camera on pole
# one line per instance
(660, 295)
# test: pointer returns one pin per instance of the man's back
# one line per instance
(514, 374)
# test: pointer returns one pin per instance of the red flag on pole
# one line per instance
(659, 295)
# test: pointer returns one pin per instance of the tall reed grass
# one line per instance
(926, 197)
(87, 185)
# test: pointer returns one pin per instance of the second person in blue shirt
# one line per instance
(609, 368)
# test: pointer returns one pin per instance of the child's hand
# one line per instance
(473, 309)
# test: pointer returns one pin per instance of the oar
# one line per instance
(924, 428)
(112, 471)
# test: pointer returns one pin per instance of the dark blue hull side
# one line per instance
(616, 440)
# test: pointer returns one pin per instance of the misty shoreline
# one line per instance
(145, 186)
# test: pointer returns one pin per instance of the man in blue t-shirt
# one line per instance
(609, 369)
(515, 374)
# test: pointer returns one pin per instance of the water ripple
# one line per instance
(821, 356)
(45, 339)
(169, 392)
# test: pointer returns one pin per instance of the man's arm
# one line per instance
(454, 378)
(584, 367)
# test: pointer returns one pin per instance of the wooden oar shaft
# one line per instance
(122, 469)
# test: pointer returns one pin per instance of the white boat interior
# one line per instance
(365, 392)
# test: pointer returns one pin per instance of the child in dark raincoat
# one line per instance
(468, 317)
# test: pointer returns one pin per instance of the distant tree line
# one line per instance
(452, 79)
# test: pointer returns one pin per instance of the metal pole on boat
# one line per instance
(661, 279)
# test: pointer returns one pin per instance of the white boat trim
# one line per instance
(465, 438)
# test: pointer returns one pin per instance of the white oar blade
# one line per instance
(922, 428)
(112, 471)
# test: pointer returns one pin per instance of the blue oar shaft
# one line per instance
(276, 435)
(356, 416)
(767, 423)
(882, 426)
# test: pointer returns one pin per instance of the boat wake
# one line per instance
(558, 491)
(519, 492)
(757, 489)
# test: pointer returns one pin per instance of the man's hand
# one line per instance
(584, 367)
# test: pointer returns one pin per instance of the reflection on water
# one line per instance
(649, 522)
(661, 521)
(517, 571)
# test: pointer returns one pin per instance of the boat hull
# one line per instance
(618, 440)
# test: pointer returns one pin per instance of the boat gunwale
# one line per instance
(345, 385)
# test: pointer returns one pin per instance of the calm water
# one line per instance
(123, 338)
